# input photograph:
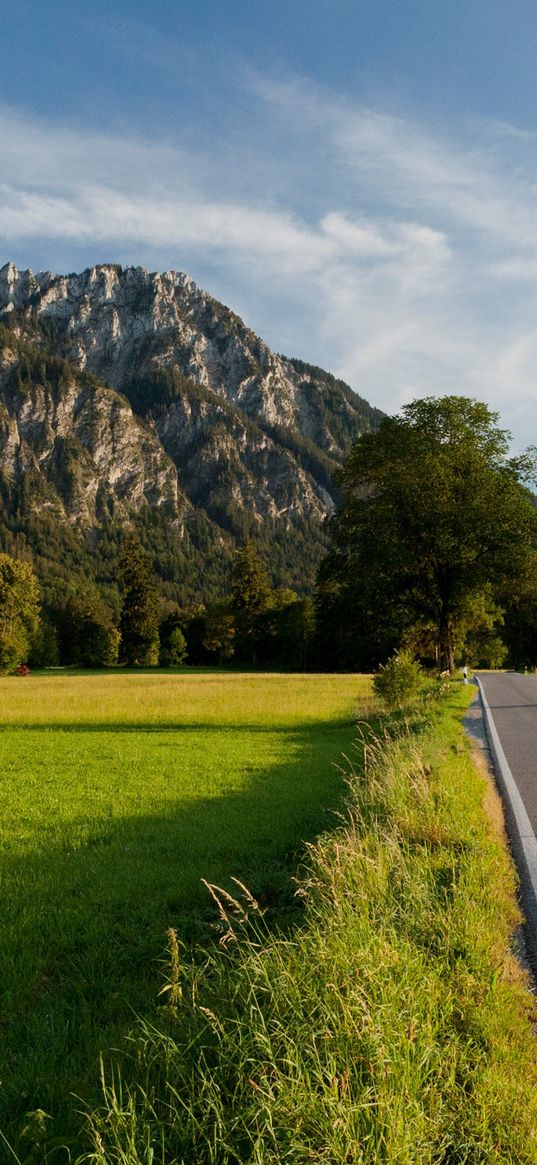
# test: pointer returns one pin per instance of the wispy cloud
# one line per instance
(399, 256)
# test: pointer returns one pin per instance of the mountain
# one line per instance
(131, 399)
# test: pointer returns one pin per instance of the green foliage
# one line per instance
(140, 610)
(250, 589)
(219, 637)
(287, 630)
(477, 637)
(354, 628)
(479, 641)
(14, 648)
(326, 397)
(153, 393)
(399, 681)
(434, 510)
(86, 633)
(276, 627)
(173, 652)
(314, 460)
(519, 629)
(19, 611)
(249, 599)
(44, 649)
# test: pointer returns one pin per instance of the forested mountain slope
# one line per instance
(131, 399)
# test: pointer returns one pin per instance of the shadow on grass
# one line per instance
(173, 726)
(85, 920)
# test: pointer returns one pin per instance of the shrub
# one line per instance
(398, 682)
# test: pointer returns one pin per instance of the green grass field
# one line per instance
(392, 1027)
(118, 793)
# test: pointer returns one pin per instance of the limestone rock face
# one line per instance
(126, 392)
(81, 441)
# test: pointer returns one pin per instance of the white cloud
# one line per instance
(402, 258)
(96, 212)
(67, 185)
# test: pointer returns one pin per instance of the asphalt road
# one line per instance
(513, 703)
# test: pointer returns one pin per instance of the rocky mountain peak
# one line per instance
(217, 424)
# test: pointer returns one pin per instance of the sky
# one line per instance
(356, 178)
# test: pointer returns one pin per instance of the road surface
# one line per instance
(512, 701)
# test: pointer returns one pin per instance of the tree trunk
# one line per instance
(445, 643)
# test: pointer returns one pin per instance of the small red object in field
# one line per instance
(23, 670)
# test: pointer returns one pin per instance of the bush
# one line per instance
(399, 681)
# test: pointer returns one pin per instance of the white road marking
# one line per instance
(526, 837)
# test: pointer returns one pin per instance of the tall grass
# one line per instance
(394, 1026)
(159, 699)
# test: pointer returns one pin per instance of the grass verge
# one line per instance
(393, 1027)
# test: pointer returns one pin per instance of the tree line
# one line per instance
(253, 625)
(433, 548)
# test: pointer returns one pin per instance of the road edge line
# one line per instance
(521, 835)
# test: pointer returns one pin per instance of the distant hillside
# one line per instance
(130, 399)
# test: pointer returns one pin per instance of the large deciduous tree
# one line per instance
(19, 611)
(86, 631)
(219, 634)
(434, 513)
(519, 630)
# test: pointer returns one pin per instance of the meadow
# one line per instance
(118, 793)
(392, 1027)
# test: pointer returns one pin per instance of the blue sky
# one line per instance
(357, 180)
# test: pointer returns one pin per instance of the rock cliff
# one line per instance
(135, 397)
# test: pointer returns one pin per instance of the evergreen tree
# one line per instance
(139, 645)
(173, 653)
(250, 598)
